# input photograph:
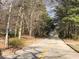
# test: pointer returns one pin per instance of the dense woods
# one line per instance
(30, 17)
(26, 17)
(68, 14)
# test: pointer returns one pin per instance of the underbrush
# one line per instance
(16, 43)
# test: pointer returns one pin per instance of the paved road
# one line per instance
(48, 49)
(53, 49)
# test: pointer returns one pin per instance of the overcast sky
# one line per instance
(50, 5)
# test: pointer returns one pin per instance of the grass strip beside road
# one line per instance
(74, 47)
(74, 44)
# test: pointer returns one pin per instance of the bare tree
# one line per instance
(7, 27)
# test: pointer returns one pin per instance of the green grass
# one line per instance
(16, 43)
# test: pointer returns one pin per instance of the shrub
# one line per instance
(16, 43)
(74, 36)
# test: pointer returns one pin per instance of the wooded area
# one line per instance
(24, 17)
(68, 15)
(24, 21)
(30, 17)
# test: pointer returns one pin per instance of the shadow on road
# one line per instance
(1, 57)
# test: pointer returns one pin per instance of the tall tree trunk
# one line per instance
(16, 30)
(21, 20)
(31, 22)
(16, 27)
(20, 30)
(7, 27)
(30, 32)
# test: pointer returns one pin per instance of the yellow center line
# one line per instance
(42, 55)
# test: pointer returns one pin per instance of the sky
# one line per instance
(50, 6)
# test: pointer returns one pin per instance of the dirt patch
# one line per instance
(27, 41)
(74, 44)
(68, 41)
(2, 46)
